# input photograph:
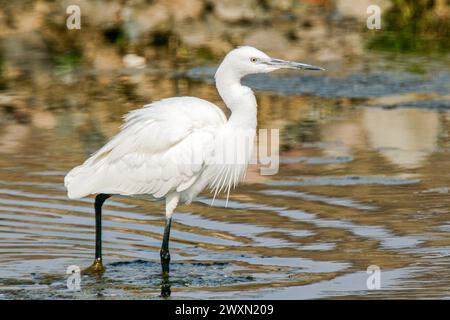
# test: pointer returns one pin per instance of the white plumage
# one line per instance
(176, 147)
(152, 152)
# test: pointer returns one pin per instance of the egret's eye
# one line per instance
(253, 60)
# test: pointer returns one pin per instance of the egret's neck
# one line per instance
(238, 98)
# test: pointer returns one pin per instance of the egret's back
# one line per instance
(161, 148)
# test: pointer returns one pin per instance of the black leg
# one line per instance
(165, 286)
(164, 253)
(97, 266)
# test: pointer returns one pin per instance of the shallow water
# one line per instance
(363, 180)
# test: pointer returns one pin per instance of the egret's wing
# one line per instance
(161, 148)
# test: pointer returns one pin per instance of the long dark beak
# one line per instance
(293, 65)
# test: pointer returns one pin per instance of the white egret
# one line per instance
(174, 148)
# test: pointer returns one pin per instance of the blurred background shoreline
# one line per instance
(39, 55)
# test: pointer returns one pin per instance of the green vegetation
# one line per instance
(412, 27)
(69, 60)
(205, 54)
(116, 36)
(2, 82)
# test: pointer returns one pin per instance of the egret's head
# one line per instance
(248, 60)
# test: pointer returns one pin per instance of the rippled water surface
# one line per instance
(364, 180)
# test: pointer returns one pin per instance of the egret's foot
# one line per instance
(96, 268)
(165, 261)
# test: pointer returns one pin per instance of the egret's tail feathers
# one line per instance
(80, 181)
